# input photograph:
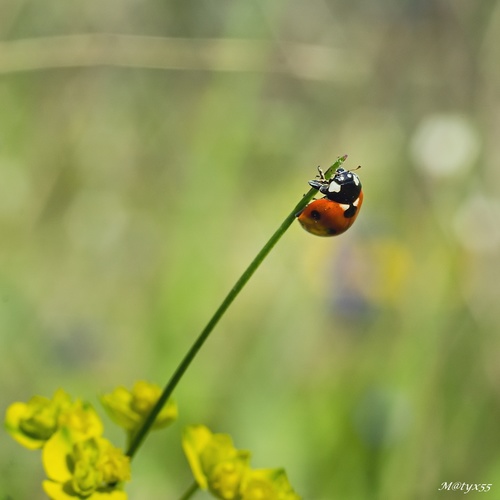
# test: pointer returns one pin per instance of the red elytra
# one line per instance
(325, 217)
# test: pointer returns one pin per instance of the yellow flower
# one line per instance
(267, 484)
(216, 464)
(32, 423)
(90, 469)
(225, 471)
(129, 408)
(81, 421)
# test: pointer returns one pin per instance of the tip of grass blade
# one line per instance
(332, 168)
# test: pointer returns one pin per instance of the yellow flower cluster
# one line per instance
(33, 423)
(225, 471)
(92, 469)
(81, 464)
(78, 461)
(129, 408)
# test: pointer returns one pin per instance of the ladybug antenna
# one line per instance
(353, 169)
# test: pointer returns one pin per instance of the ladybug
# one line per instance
(336, 212)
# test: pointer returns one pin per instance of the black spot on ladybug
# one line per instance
(331, 231)
(315, 215)
(350, 212)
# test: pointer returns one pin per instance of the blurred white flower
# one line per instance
(445, 145)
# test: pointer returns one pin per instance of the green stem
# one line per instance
(247, 274)
(190, 492)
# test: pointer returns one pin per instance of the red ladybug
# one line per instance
(337, 211)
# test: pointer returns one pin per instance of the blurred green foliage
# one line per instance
(149, 149)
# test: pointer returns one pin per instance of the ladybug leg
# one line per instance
(320, 183)
(321, 175)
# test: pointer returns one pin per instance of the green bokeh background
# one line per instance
(148, 150)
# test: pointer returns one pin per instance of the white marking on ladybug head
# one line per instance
(356, 202)
(356, 179)
(334, 187)
(344, 207)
